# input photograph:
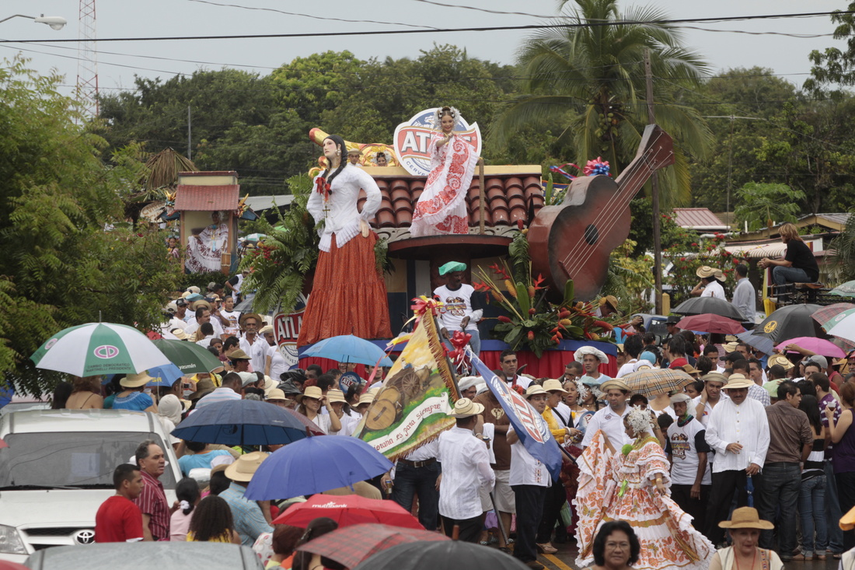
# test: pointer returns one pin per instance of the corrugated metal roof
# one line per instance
(837, 218)
(261, 203)
(698, 219)
(771, 249)
(207, 198)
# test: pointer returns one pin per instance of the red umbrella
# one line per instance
(348, 510)
(710, 323)
(3, 444)
(351, 545)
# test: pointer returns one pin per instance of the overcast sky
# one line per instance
(118, 62)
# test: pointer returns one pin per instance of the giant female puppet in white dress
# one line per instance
(441, 208)
(205, 250)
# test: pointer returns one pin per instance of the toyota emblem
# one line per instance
(86, 536)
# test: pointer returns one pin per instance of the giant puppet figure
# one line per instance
(348, 294)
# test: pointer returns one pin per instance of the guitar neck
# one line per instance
(656, 151)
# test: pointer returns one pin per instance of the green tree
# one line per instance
(764, 204)
(590, 80)
(834, 66)
(61, 267)
(844, 245)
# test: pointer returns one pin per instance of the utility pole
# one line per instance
(189, 136)
(654, 181)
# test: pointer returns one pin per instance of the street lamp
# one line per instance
(55, 22)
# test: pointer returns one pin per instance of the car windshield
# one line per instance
(69, 459)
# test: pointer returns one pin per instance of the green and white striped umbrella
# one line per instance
(98, 348)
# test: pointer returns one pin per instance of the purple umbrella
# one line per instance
(815, 345)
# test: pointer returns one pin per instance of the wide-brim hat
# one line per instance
(705, 272)
(179, 333)
(746, 517)
(238, 354)
(275, 394)
(248, 378)
(611, 300)
(335, 395)
(614, 384)
(719, 275)
(194, 289)
(311, 392)
(554, 386)
(738, 381)
(354, 151)
(366, 398)
(715, 377)
(466, 408)
(534, 390)
(730, 347)
(265, 329)
(255, 316)
(136, 380)
(203, 387)
(581, 352)
(201, 304)
(780, 360)
(245, 467)
(690, 369)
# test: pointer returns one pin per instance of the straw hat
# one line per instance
(705, 272)
(690, 369)
(611, 300)
(239, 355)
(719, 275)
(266, 329)
(193, 290)
(136, 380)
(554, 386)
(780, 360)
(534, 390)
(682, 397)
(276, 394)
(367, 398)
(746, 517)
(614, 384)
(245, 467)
(179, 333)
(311, 392)
(466, 408)
(737, 381)
(334, 395)
(258, 320)
(201, 304)
(730, 347)
(203, 387)
(715, 377)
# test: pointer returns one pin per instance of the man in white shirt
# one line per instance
(458, 311)
(709, 285)
(632, 347)
(228, 317)
(744, 295)
(508, 360)
(252, 343)
(465, 469)
(530, 480)
(591, 358)
(738, 431)
(610, 418)
(710, 397)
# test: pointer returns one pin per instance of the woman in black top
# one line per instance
(798, 265)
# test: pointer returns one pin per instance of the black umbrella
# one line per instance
(790, 322)
(445, 554)
(704, 305)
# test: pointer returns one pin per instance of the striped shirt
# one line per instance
(152, 502)
(218, 395)
(249, 520)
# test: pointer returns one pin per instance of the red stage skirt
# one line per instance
(348, 295)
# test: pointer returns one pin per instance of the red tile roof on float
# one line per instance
(207, 198)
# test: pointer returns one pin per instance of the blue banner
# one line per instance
(529, 426)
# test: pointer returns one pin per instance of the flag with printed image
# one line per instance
(412, 407)
(529, 425)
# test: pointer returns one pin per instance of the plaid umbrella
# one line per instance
(710, 323)
(655, 381)
(351, 545)
(830, 315)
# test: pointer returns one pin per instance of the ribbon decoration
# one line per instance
(598, 166)
(459, 340)
(560, 170)
(323, 187)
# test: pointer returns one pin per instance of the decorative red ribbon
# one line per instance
(322, 187)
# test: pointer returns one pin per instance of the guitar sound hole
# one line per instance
(592, 235)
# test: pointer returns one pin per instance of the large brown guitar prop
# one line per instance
(574, 240)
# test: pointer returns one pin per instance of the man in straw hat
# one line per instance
(530, 480)
(591, 358)
(710, 397)
(709, 285)
(738, 431)
(248, 517)
(353, 156)
(253, 343)
(465, 469)
(461, 310)
(745, 526)
(610, 418)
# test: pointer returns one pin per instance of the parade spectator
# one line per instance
(304, 560)
(510, 363)
(755, 392)
(672, 328)
(687, 449)
(230, 390)
(249, 520)
(744, 527)
(812, 489)
(709, 284)
(416, 475)
(252, 343)
(229, 318)
(738, 431)
(465, 470)
(632, 348)
(60, 396)
(842, 435)
(152, 501)
(118, 518)
(616, 547)
(86, 394)
(790, 443)
(133, 397)
(744, 295)
(572, 371)
(212, 521)
(284, 542)
(555, 497)
(311, 401)
(798, 265)
(610, 418)
(201, 458)
(591, 358)
(188, 495)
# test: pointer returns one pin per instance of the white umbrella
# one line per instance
(844, 329)
(99, 348)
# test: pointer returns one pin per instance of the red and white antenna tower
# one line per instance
(87, 59)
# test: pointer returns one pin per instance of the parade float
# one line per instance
(539, 266)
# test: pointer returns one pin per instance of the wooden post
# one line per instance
(654, 181)
(483, 195)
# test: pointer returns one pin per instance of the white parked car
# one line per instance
(58, 469)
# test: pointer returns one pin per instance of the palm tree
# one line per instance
(590, 80)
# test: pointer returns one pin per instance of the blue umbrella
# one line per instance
(165, 375)
(241, 422)
(760, 342)
(348, 348)
(315, 465)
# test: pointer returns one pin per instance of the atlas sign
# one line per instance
(286, 329)
(412, 140)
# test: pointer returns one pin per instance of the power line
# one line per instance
(587, 24)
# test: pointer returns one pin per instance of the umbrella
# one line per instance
(760, 342)
(704, 305)
(189, 357)
(164, 375)
(844, 329)
(352, 544)
(830, 315)
(710, 323)
(451, 554)
(845, 290)
(790, 322)
(241, 422)
(98, 348)
(348, 348)
(815, 345)
(315, 465)
(3, 444)
(655, 381)
(254, 237)
(346, 510)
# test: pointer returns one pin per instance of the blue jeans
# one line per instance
(782, 275)
(410, 481)
(780, 493)
(832, 510)
(812, 510)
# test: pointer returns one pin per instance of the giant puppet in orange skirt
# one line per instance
(348, 294)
